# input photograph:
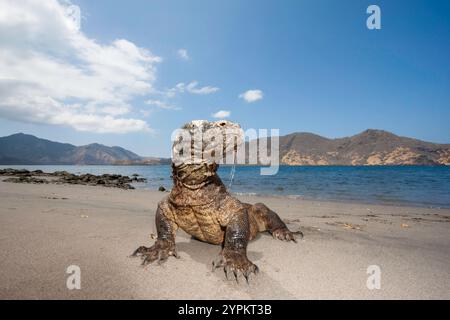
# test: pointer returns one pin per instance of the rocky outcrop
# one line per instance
(294, 158)
(58, 177)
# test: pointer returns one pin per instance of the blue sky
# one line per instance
(317, 65)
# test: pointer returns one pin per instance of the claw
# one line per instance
(226, 271)
(174, 253)
(160, 251)
(235, 263)
(285, 235)
(217, 264)
(235, 275)
(299, 234)
(138, 252)
(246, 277)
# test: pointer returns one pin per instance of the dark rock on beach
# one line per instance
(24, 179)
(106, 180)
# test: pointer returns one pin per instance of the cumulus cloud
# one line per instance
(183, 54)
(52, 73)
(191, 87)
(251, 95)
(221, 114)
(161, 104)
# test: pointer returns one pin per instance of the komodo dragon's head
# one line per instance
(200, 146)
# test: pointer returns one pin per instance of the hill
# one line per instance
(27, 149)
(371, 147)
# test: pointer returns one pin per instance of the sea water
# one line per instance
(404, 185)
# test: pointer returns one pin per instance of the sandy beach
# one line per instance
(46, 228)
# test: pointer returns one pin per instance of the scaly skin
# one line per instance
(200, 205)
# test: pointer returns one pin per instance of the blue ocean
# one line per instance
(404, 185)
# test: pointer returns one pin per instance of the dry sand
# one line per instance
(46, 228)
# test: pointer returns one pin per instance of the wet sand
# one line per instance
(46, 228)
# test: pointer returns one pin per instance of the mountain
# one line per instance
(27, 149)
(371, 147)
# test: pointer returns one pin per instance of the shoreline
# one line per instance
(46, 228)
(355, 201)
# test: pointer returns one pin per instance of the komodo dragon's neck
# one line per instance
(196, 184)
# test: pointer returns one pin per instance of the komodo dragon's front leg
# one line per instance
(233, 257)
(165, 243)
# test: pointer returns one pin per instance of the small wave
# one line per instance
(254, 194)
(247, 194)
(294, 196)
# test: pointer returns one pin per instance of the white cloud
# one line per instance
(221, 114)
(183, 54)
(192, 88)
(161, 104)
(145, 113)
(52, 73)
(251, 95)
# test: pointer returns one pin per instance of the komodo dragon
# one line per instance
(200, 204)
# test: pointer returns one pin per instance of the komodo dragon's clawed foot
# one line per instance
(160, 252)
(235, 262)
(286, 235)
